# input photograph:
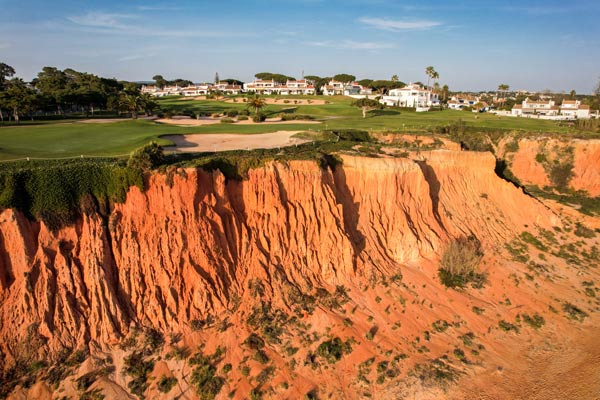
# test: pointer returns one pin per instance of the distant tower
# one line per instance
(302, 74)
(217, 78)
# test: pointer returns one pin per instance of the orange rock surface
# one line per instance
(190, 248)
(586, 165)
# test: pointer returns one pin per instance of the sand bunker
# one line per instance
(226, 141)
(211, 121)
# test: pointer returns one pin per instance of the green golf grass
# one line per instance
(71, 139)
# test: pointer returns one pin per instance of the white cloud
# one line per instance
(399, 25)
(4, 45)
(133, 57)
(122, 24)
(101, 20)
(351, 45)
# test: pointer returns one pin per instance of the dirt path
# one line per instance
(226, 141)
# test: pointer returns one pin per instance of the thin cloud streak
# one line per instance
(118, 24)
(101, 20)
(351, 45)
(398, 25)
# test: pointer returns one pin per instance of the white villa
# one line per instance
(227, 88)
(547, 108)
(335, 88)
(570, 109)
(462, 101)
(411, 96)
(198, 90)
(161, 92)
(574, 109)
(260, 86)
(201, 89)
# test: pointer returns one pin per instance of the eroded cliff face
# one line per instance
(180, 251)
(533, 161)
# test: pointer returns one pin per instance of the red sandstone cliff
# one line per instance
(585, 156)
(180, 252)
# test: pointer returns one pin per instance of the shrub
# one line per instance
(204, 378)
(460, 262)
(259, 117)
(437, 372)
(165, 384)
(440, 325)
(242, 118)
(138, 368)
(584, 232)
(536, 321)
(507, 326)
(261, 357)
(292, 117)
(333, 350)
(265, 375)
(147, 157)
(232, 113)
(561, 174)
(227, 121)
(574, 312)
(255, 342)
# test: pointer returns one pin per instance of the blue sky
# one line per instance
(474, 45)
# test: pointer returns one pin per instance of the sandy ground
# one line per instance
(298, 102)
(227, 141)
(109, 120)
(211, 121)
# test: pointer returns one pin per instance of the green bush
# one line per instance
(507, 326)
(460, 262)
(560, 174)
(232, 113)
(204, 378)
(574, 312)
(333, 350)
(584, 232)
(165, 384)
(259, 117)
(56, 192)
(227, 121)
(147, 157)
(242, 118)
(536, 321)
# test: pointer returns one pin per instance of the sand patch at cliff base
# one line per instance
(227, 141)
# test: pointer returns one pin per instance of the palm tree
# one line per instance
(131, 102)
(435, 76)
(149, 104)
(256, 102)
(395, 78)
(429, 71)
(431, 74)
(503, 87)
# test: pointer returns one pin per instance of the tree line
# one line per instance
(63, 92)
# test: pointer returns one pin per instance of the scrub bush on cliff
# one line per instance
(460, 263)
(147, 157)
